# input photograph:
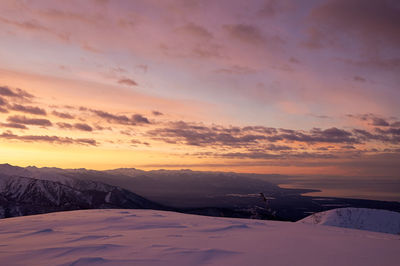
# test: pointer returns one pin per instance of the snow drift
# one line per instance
(358, 218)
(148, 237)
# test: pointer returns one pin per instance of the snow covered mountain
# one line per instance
(178, 181)
(148, 237)
(208, 193)
(24, 196)
(223, 194)
(358, 218)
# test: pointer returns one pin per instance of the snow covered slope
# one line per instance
(147, 237)
(358, 218)
(24, 196)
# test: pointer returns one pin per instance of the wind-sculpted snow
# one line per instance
(148, 237)
(358, 218)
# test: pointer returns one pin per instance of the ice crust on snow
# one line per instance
(149, 237)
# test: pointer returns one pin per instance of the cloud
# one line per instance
(272, 8)
(316, 135)
(126, 132)
(317, 39)
(375, 62)
(3, 102)
(389, 131)
(63, 115)
(249, 155)
(332, 135)
(251, 34)
(351, 147)
(139, 119)
(86, 141)
(90, 48)
(28, 109)
(112, 118)
(259, 129)
(359, 79)
(29, 121)
(98, 127)
(280, 159)
(78, 126)
(245, 32)
(376, 121)
(195, 30)
(49, 139)
(273, 147)
(294, 60)
(373, 119)
(235, 70)
(374, 24)
(145, 68)
(206, 50)
(320, 116)
(391, 135)
(136, 142)
(27, 25)
(19, 96)
(83, 127)
(121, 119)
(128, 82)
(118, 70)
(15, 93)
(156, 113)
(199, 135)
(64, 125)
(269, 9)
(34, 26)
(13, 125)
(395, 124)
(255, 138)
(68, 15)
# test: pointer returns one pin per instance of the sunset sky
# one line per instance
(289, 87)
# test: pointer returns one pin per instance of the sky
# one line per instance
(263, 86)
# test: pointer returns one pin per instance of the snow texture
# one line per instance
(148, 237)
(358, 218)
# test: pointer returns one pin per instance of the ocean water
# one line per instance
(374, 188)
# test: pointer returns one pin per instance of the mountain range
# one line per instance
(33, 190)
(21, 196)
